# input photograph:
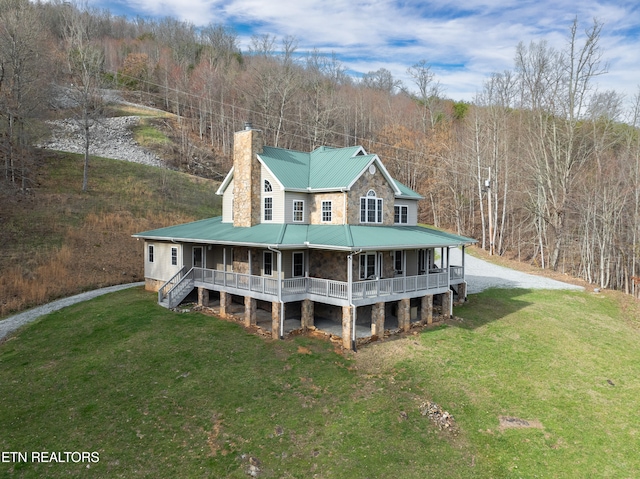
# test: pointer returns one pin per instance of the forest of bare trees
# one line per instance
(541, 166)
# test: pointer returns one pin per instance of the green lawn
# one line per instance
(162, 394)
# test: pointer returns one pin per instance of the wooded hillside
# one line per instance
(541, 167)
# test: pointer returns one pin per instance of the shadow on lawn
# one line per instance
(489, 305)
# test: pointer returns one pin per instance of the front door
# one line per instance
(198, 257)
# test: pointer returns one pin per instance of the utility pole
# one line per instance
(488, 187)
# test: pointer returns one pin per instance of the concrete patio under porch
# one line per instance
(372, 322)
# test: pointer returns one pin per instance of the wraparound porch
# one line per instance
(328, 291)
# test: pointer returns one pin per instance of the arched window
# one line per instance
(370, 208)
(267, 186)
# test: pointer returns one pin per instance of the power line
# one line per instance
(349, 139)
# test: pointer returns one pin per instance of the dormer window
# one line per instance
(370, 208)
(267, 186)
(401, 214)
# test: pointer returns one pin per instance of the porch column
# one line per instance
(346, 326)
(377, 320)
(426, 309)
(203, 296)
(249, 311)
(404, 314)
(277, 309)
(446, 304)
(462, 292)
(225, 302)
(463, 251)
(307, 318)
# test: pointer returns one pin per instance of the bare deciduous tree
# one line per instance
(85, 60)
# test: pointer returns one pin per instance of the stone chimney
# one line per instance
(247, 145)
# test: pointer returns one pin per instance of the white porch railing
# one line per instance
(456, 273)
(403, 284)
(361, 290)
(174, 290)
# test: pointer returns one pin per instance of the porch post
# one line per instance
(279, 275)
(249, 311)
(404, 314)
(446, 304)
(348, 329)
(377, 320)
(346, 326)
(277, 311)
(462, 292)
(281, 327)
(203, 296)
(225, 302)
(426, 309)
(463, 252)
(349, 278)
(224, 270)
(307, 314)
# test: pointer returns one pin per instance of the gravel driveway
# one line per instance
(12, 323)
(481, 275)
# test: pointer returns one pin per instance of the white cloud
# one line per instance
(479, 37)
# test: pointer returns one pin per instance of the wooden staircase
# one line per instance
(173, 292)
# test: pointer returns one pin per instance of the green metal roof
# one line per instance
(324, 168)
(289, 166)
(284, 236)
(336, 167)
(406, 191)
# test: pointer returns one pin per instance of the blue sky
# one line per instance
(464, 41)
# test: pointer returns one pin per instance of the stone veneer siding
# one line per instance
(275, 319)
(337, 208)
(377, 320)
(378, 183)
(328, 265)
(247, 144)
(241, 260)
(346, 327)
(153, 284)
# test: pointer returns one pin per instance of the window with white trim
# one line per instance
(400, 214)
(268, 208)
(298, 211)
(367, 266)
(298, 264)
(150, 252)
(174, 256)
(267, 263)
(326, 211)
(267, 186)
(370, 208)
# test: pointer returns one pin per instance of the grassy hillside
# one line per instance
(58, 240)
(540, 384)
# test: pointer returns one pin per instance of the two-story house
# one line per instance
(327, 234)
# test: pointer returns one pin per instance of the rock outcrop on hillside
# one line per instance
(109, 138)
